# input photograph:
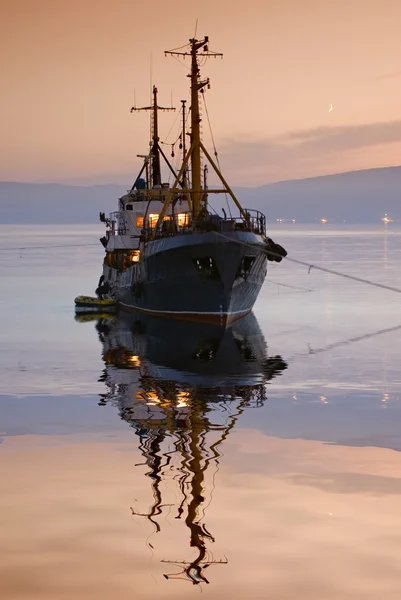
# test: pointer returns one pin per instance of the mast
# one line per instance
(155, 177)
(196, 144)
(195, 126)
(198, 199)
(183, 144)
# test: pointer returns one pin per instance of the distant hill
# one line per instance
(355, 197)
(40, 203)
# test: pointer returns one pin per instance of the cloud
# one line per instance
(298, 154)
(306, 149)
(329, 140)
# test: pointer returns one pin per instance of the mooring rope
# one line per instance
(293, 287)
(317, 267)
(45, 247)
(345, 275)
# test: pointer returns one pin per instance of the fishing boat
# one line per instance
(168, 253)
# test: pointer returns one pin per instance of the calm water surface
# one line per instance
(138, 457)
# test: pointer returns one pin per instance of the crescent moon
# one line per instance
(331, 108)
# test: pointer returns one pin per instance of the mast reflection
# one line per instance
(185, 386)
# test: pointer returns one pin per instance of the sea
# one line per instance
(151, 460)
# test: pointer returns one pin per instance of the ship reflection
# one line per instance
(183, 387)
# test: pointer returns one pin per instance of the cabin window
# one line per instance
(128, 207)
(183, 219)
(206, 266)
(168, 225)
(139, 222)
(245, 266)
(121, 260)
(113, 260)
(128, 258)
(153, 218)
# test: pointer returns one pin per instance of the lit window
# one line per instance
(183, 219)
(135, 256)
(139, 222)
(153, 218)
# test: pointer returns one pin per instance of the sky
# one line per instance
(71, 70)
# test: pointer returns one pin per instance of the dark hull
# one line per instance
(197, 277)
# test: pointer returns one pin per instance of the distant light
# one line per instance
(323, 220)
(385, 219)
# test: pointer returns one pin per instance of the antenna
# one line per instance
(154, 134)
(196, 28)
(150, 76)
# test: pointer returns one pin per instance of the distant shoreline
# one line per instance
(354, 197)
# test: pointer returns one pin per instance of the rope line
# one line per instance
(293, 287)
(324, 269)
(45, 247)
(345, 275)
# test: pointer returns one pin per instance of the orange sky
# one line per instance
(69, 71)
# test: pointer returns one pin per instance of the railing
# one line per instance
(255, 221)
(183, 223)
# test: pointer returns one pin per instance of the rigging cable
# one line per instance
(180, 62)
(214, 148)
(166, 143)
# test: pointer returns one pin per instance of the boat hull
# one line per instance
(197, 277)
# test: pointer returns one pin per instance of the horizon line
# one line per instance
(114, 184)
